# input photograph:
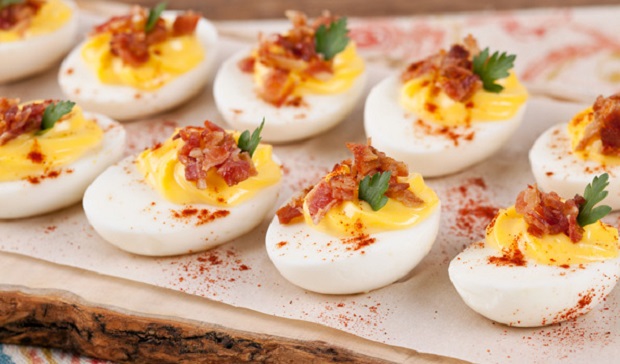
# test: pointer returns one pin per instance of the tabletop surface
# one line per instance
(246, 9)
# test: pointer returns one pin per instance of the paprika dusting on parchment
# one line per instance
(474, 209)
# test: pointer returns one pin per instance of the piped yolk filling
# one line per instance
(576, 131)
(347, 66)
(599, 242)
(421, 98)
(352, 218)
(33, 154)
(163, 171)
(167, 60)
(52, 15)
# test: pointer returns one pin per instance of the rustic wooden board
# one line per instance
(113, 319)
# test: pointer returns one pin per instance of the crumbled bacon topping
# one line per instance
(212, 147)
(451, 71)
(293, 51)
(16, 120)
(546, 213)
(605, 126)
(17, 17)
(342, 184)
(131, 42)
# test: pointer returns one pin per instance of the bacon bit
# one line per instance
(16, 120)
(17, 17)
(451, 71)
(131, 43)
(293, 51)
(511, 256)
(342, 184)
(546, 213)
(605, 126)
(212, 147)
(202, 216)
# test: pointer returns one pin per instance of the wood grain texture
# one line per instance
(46, 304)
(55, 322)
(250, 9)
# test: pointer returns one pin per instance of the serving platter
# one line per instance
(421, 313)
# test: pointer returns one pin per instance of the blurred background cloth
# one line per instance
(264, 9)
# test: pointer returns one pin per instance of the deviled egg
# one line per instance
(365, 225)
(200, 188)
(566, 157)
(304, 81)
(544, 260)
(50, 152)
(448, 111)
(34, 35)
(141, 63)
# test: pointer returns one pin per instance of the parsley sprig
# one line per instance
(593, 194)
(372, 189)
(249, 143)
(154, 14)
(5, 3)
(493, 68)
(333, 40)
(54, 112)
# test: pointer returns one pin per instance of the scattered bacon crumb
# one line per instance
(605, 126)
(17, 17)
(212, 147)
(293, 51)
(546, 213)
(342, 184)
(16, 120)
(129, 39)
(450, 72)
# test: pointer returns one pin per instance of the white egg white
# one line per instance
(394, 131)
(556, 168)
(531, 295)
(79, 83)
(34, 54)
(319, 262)
(128, 213)
(22, 198)
(239, 104)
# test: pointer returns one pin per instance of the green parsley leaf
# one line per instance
(372, 189)
(54, 112)
(249, 143)
(5, 3)
(333, 40)
(491, 69)
(154, 14)
(593, 194)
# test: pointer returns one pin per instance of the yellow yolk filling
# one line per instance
(166, 174)
(347, 66)
(420, 97)
(52, 15)
(67, 141)
(167, 60)
(576, 130)
(599, 242)
(354, 217)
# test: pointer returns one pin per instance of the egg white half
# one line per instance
(556, 168)
(531, 295)
(237, 101)
(394, 131)
(34, 54)
(128, 213)
(79, 83)
(322, 263)
(22, 198)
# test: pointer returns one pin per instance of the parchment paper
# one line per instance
(422, 311)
